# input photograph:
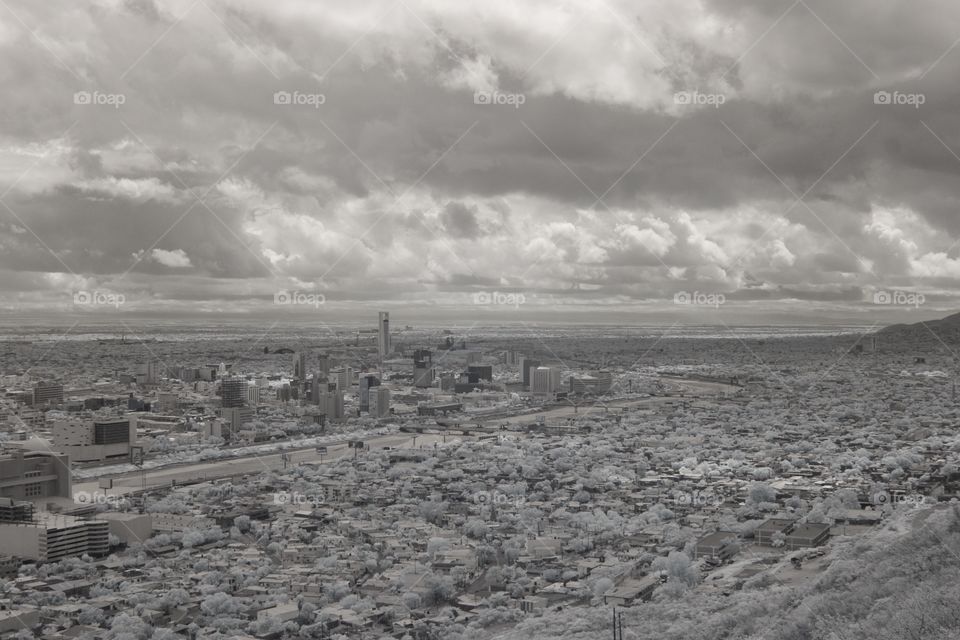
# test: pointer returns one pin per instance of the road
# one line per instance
(128, 482)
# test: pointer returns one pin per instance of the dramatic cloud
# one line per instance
(415, 152)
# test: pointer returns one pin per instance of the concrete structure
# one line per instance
(423, 373)
(253, 395)
(807, 535)
(324, 364)
(384, 347)
(598, 383)
(233, 392)
(719, 544)
(89, 440)
(55, 537)
(300, 365)
(129, 527)
(342, 377)
(149, 373)
(765, 532)
(526, 364)
(366, 383)
(29, 474)
(379, 402)
(512, 358)
(233, 420)
(331, 404)
(47, 393)
(545, 380)
(477, 372)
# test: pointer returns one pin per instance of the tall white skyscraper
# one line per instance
(383, 327)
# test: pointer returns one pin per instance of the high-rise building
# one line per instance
(253, 395)
(300, 365)
(366, 383)
(331, 404)
(379, 402)
(423, 373)
(545, 380)
(233, 392)
(324, 363)
(526, 364)
(342, 377)
(512, 358)
(383, 334)
(46, 393)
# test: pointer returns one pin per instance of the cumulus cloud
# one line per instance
(399, 183)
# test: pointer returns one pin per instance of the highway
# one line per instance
(128, 482)
(131, 481)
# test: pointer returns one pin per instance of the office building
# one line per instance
(526, 365)
(342, 377)
(379, 402)
(90, 440)
(233, 392)
(383, 334)
(423, 373)
(16, 510)
(478, 372)
(32, 472)
(149, 373)
(545, 380)
(300, 365)
(331, 404)
(512, 358)
(234, 419)
(53, 537)
(253, 395)
(47, 393)
(598, 383)
(324, 364)
(366, 382)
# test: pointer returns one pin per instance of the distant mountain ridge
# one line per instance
(947, 329)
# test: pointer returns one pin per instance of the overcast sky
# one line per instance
(599, 155)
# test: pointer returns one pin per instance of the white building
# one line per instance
(53, 537)
(545, 380)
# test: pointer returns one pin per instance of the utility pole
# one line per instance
(617, 624)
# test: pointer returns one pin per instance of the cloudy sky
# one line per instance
(785, 157)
